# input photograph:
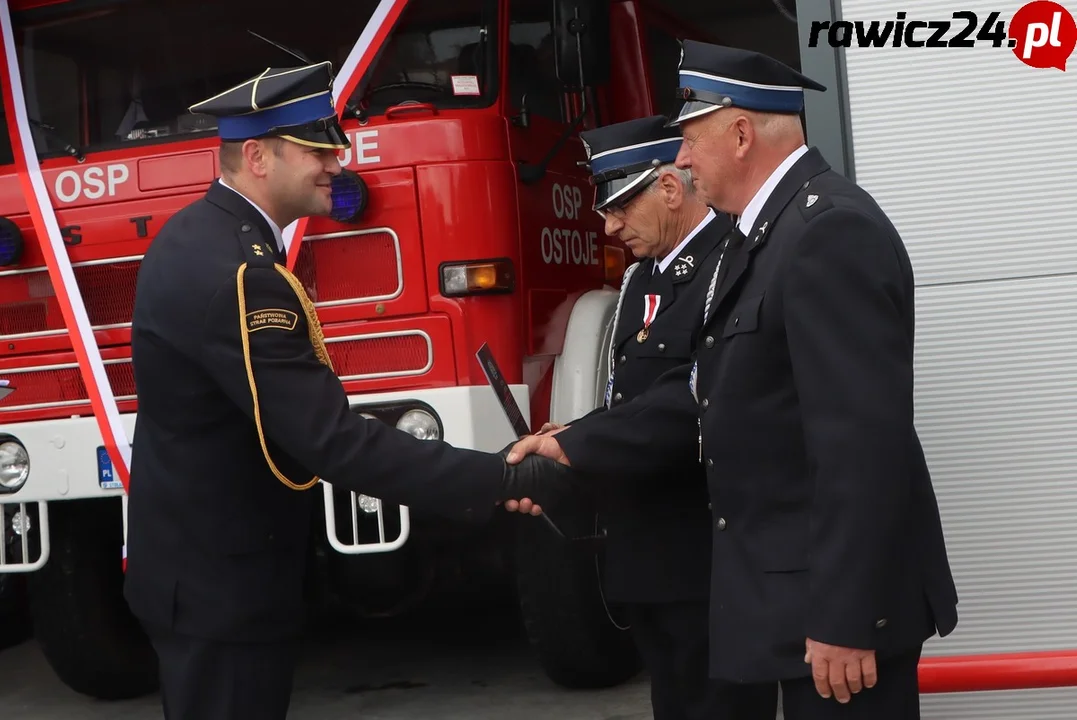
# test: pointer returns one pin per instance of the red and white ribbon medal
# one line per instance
(650, 311)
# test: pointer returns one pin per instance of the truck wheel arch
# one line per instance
(581, 370)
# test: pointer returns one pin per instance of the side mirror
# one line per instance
(581, 42)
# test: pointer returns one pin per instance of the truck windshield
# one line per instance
(103, 74)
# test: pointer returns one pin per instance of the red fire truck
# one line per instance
(464, 219)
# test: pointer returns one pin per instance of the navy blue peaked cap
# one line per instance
(715, 76)
(291, 103)
(624, 156)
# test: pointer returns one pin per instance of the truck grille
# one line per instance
(365, 357)
(336, 269)
(354, 357)
(351, 266)
(29, 306)
(61, 385)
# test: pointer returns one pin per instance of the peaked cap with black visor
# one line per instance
(713, 77)
(294, 104)
(624, 157)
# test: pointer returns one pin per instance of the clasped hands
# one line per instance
(537, 472)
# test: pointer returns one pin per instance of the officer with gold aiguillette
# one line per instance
(240, 415)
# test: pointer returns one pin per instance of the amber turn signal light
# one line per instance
(477, 277)
(614, 258)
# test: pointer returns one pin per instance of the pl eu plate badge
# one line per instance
(106, 477)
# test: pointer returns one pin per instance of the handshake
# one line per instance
(537, 473)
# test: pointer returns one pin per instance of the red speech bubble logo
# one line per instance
(1043, 34)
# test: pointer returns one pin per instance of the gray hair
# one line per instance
(684, 175)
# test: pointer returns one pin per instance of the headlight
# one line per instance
(14, 466)
(419, 423)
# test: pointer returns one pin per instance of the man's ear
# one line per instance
(672, 192)
(745, 134)
(255, 156)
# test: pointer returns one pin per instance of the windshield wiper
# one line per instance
(349, 108)
(55, 135)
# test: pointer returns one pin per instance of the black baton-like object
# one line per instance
(508, 406)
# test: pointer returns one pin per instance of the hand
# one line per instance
(551, 428)
(543, 445)
(840, 671)
(534, 478)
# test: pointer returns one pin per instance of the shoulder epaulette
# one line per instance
(258, 251)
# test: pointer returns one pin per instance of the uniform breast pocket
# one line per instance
(744, 318)
(668, 344)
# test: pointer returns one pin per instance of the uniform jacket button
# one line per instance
(661, 347)
(245, 227)
(709, 341)
(624, 359)
(618, 397)
(721, 523)
(710, 506)
(710, 463)
(880, 623)
(705, 404)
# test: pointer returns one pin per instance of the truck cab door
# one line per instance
(561, 238)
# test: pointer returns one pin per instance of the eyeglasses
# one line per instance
(620, 208)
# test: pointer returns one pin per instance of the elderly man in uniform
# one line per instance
(240, 414)
(658, 528)
(829, 563)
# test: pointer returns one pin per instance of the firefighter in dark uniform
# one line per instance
(240, 415)
(657, 549)
(829, 562)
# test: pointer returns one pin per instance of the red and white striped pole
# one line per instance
(39, 205)
(362, 54)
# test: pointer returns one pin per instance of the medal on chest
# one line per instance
(650, 311)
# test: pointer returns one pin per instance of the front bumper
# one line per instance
(65, 462)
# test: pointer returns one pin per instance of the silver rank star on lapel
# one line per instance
(682, 266)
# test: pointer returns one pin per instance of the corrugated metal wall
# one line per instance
(974, 156)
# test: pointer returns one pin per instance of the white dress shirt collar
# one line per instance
(660, 266)
(755, 206)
